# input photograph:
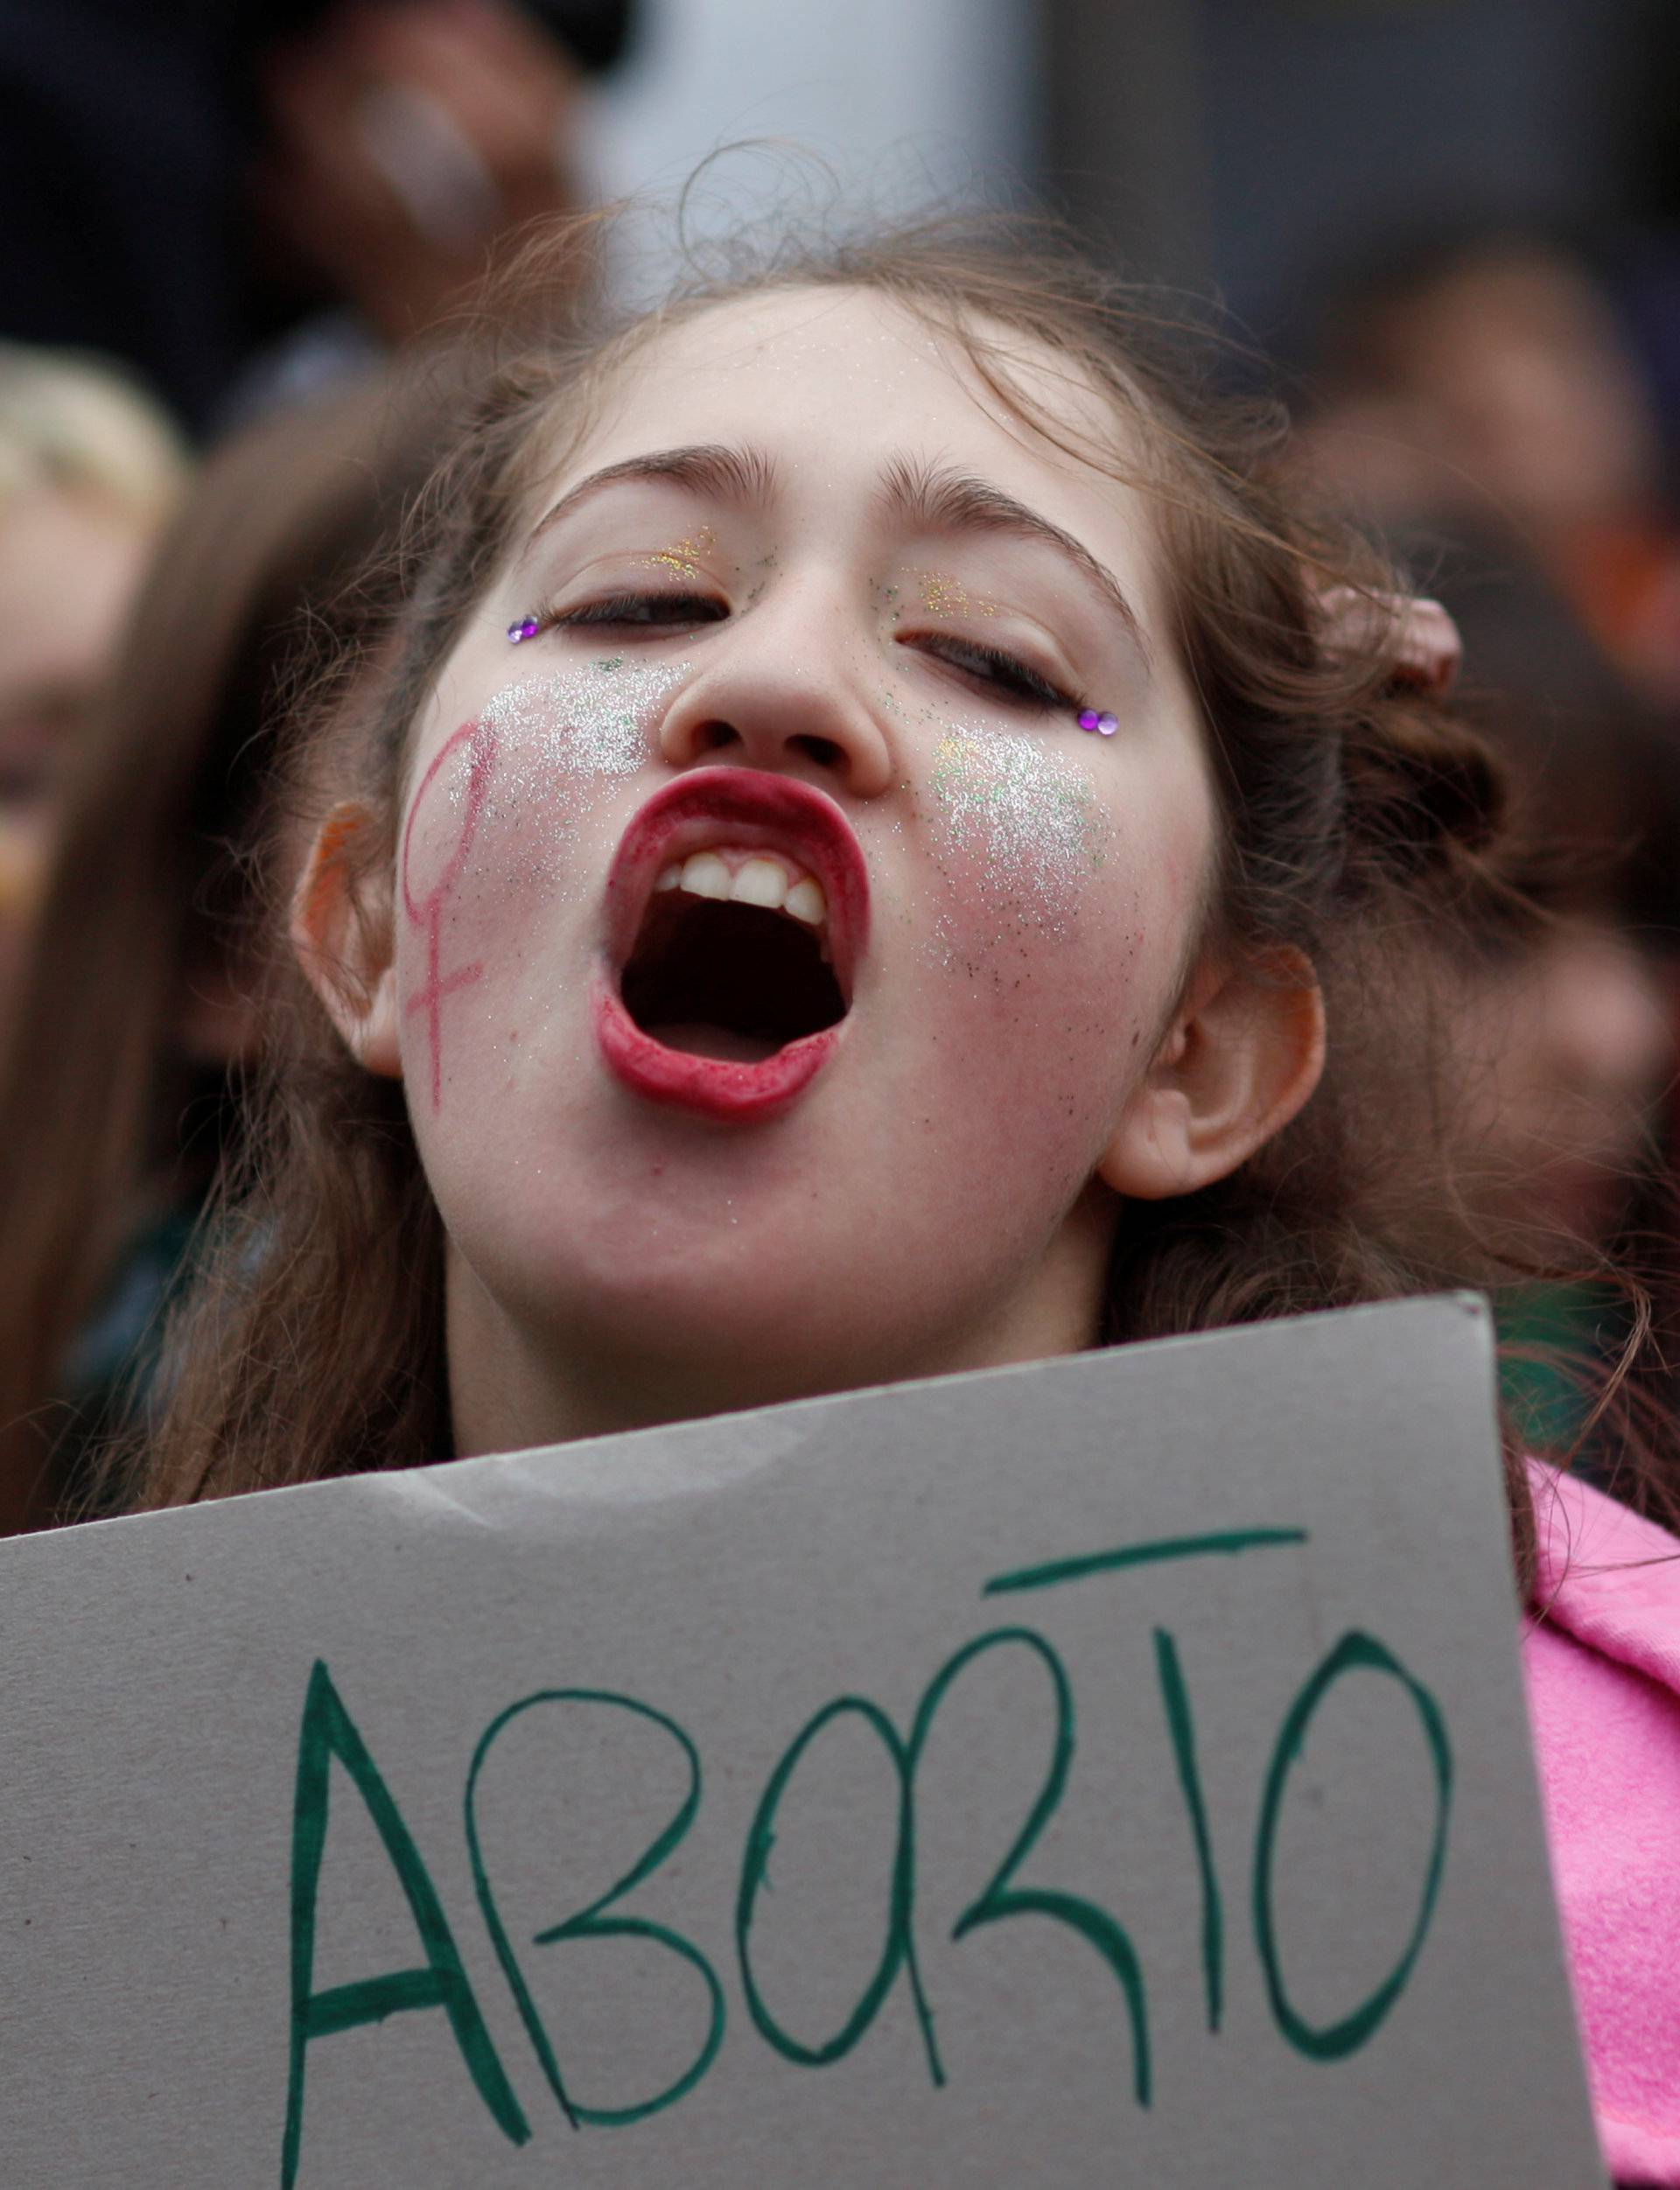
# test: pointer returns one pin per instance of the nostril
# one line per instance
(713, 737)
(823, 750)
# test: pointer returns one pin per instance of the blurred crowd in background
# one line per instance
(1450, 226)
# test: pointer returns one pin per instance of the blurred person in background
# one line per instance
(247, 201)
(1485, 383)
(1480, 404)
(1571, 1040)
(143, 996)
(89, 468)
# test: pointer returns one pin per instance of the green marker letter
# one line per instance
(441, 1982)
(1334, 2042)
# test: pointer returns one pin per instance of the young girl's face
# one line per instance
(777, 958)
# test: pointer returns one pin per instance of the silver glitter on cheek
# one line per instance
(559, 746)
(499, 857)
(576, 731)
(1008, 804)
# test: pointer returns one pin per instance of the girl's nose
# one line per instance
(782, 692)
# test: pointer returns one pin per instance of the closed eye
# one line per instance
(629, 610)
(1002, 672)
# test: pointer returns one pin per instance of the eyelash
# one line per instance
(623, 608)
(989, 665)
(1006, 671)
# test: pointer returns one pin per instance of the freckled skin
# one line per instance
(927, 1204)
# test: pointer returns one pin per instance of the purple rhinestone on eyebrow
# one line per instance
(1104, 724)
(527, 628)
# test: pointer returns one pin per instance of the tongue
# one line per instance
(703, 1039)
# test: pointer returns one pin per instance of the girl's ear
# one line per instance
(345, 943)
(1242, 1054)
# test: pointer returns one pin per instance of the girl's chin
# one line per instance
(714, 1299)
(676, 1284)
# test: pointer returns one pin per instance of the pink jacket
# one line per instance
(1602, 1656)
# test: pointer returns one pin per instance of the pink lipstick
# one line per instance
(716, 995)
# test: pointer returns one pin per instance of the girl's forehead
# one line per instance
(804, 332)
(828, 378)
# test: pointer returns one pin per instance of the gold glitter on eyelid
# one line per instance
(943, 595)
(683, 556)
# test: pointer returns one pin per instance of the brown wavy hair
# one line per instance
(158, 884)
(1361, 826)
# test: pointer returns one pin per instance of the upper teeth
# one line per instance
(749, 878)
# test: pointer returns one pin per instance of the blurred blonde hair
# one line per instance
(74, 424)
(261, 569)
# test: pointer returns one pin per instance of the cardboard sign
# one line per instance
(1113, 1771)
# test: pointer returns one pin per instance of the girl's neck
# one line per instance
(511, 1390)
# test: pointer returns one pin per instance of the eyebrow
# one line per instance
(940, 499)
(745, 476)
(934, 498)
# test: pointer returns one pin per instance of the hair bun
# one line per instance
(1416, 636)
(1423, 788)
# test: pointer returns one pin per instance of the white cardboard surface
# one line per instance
(980, 1915)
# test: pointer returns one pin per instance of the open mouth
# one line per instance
(737, 907)
(732, 958)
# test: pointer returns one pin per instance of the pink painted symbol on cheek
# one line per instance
(427, 913)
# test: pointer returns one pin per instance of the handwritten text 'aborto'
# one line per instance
(439, 1980)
